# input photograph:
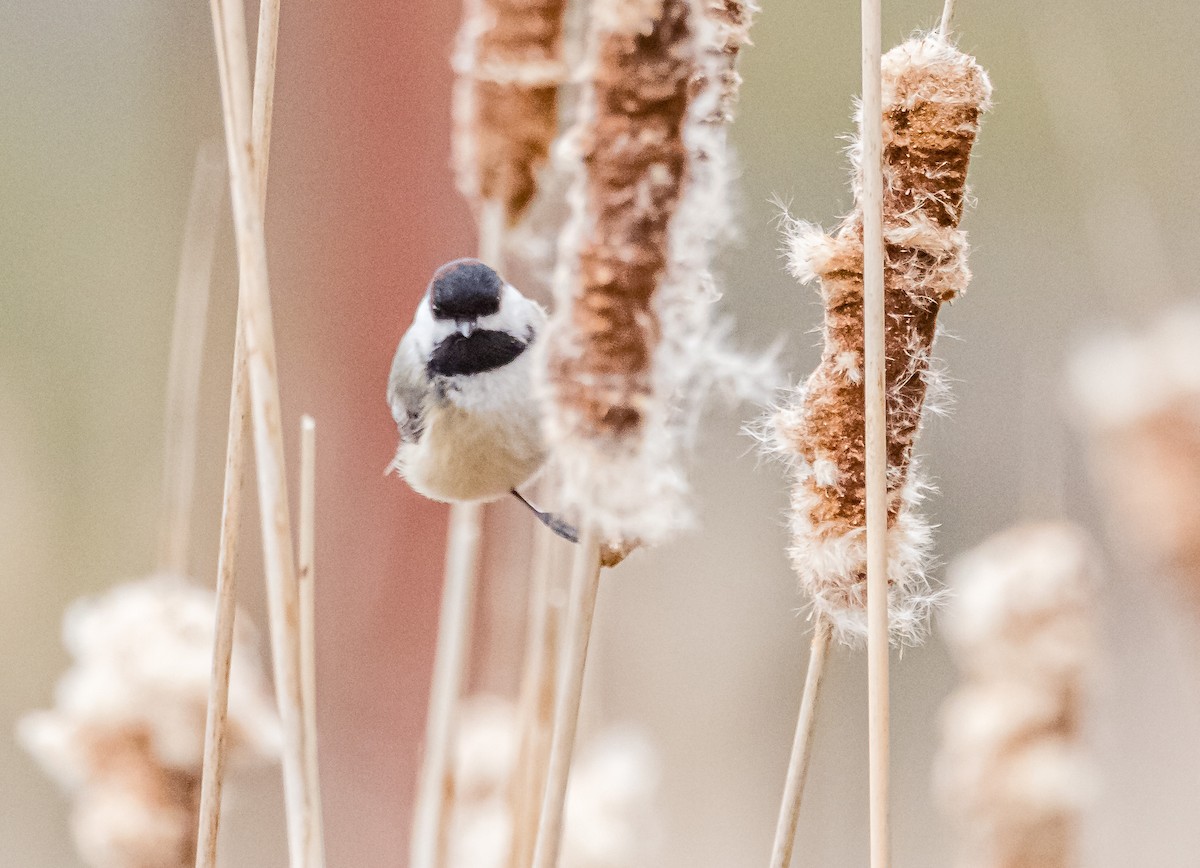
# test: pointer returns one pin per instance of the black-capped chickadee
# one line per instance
(461, 391)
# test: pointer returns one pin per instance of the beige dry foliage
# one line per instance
(125, 738)
(1139, 397)
(612, 815)
(933, 98)
(510, 67)
(633, 347)
(1012, 771)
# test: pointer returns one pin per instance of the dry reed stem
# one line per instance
(187, 356)
(536, 702)
(510, 66)
(262, 112)
(212, 776)
(308, 635)
(797, 773)
(933, 96)
(235, 460)
(450, 661)
(875, 433)
(947, 19)
(585, 584)
(229, 32)
(1012, 769)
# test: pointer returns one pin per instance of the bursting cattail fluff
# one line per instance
(126, 736)
(933, 97)
(510, 66)
(1012, 770)
(1139, 397)
(612, 817)
(626, 354)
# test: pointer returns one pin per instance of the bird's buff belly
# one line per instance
(471, 456)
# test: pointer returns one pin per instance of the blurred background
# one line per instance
(1088, 202)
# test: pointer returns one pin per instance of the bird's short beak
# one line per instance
(466, 328)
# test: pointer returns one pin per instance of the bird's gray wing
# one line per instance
(408, 390)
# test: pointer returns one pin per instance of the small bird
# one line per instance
(461, 391)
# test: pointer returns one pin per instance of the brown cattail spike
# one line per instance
(634, 349)
(634, 157)
(506, 106)
(933, 96)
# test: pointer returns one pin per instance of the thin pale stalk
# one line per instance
(797, 773)
(263, 99)
(212, 774)
(876, 432)
(585, 583)
(947, 19)
(449, 667)
(536, 702)
(187, 355)
(308, 635)
(432, 812)
(266, 417)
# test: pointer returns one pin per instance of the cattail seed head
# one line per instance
(126, 735)
(634, 160)
(933, 97)
(633, 348)
(1139, 403)
(602, 340)
(1012, 770)
(510, 67)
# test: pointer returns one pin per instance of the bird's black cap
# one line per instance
(464, 289)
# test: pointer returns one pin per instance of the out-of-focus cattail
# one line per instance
(612, 814)
(634, 288)
(510, 66)
(634, 160)
(1140, 402)
(126, 735)
(1012, 770)
(933, 97)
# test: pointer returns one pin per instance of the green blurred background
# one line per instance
(1086, 180)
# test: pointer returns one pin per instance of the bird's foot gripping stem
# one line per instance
(550, 520)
